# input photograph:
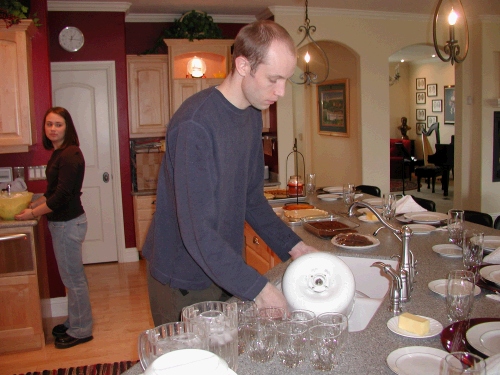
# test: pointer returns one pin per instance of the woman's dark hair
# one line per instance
(70, 136)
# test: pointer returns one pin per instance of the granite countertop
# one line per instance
(367, 350)
(4, 224)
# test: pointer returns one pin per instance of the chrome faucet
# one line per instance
(396, 287)
(407, 262)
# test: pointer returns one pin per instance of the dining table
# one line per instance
(367, 351)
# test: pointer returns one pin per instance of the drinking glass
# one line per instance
(247, 310)
(311, 183)
(292, 343)
(306, 317)
(459, 295)
(348, 192)
(458, 363)
(455, 226)
(337, 320)
(276, 314)
(325, 344)
(222, 320)
(388, 206)
(261, 339)
(472, 251)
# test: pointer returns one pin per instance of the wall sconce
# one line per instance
(312, 61)
(456, 13)
(196, 67)
(394, 79)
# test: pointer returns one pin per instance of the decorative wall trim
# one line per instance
(161, 18)
(88, 6)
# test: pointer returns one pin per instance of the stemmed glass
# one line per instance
(459, 295)
(472, 251)
(348, 192)
(458, 363)
(388, 206)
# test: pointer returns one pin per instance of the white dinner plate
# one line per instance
(435, 328)
(329, 197)
(426, 217)
(448, 250)
(491, 273)
(439, 287)
(374, 241)
(491, 243)
(485, 338)
(421, 228)
(334, 189)
(416, 360)
(376, 202)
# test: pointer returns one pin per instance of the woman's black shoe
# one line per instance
(59, 330)
(68, 341)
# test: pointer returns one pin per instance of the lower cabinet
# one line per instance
(144, 208)
(257, 254)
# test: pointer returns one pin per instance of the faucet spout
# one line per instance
(394, 230)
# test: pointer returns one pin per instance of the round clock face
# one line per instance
(71, 39)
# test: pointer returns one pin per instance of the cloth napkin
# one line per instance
(408, 204)
(493, 364)
(493, 257)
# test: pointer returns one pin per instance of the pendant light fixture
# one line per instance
(312, 61)
(456, 21)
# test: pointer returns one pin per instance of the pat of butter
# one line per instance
(371, 216)
(414, 324)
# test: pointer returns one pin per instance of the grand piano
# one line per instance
(443, 157)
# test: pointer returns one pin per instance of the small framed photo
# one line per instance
(449, 105)
(421, 114)
(421, 128)
(431, 120)
(420, 83)
(420, 97)
(437, 105)
(432, 89)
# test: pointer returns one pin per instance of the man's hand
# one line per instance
(270, 296)
(300, 249)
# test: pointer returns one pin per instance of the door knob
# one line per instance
(105, 177)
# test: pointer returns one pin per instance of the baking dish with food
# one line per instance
(328, 225)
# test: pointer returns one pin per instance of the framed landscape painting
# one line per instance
(333, 105)
(449, 105)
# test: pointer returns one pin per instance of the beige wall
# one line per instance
(364, 157)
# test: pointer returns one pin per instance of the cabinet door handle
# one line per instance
(13, 237)
(256, 240)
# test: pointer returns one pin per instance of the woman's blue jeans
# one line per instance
(67, 239)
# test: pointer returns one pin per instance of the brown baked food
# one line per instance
(352, 239)
(297, 206)
(278, 193)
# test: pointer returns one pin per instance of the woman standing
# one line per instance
(67, 222)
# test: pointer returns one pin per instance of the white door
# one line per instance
(87, 91)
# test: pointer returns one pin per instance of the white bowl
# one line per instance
(320, 282)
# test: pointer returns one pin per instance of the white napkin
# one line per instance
(493, 257)
(493, 364)
(408, 204)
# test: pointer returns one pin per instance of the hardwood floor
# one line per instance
(120, 306)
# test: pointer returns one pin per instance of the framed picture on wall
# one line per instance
(420, 83)
(333, 98)
(421, 128)
(420, 114)
(449, 105)
(437, 105)
(431, 120)
(420, 98)
(432, 89)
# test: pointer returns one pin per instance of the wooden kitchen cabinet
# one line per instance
(21, 281)
(144, 208)
(16, 87)
(257, 254)
(148, 95)
(217, 56)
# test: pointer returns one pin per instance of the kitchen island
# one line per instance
(367, 350)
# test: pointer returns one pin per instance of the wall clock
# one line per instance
(71, 39)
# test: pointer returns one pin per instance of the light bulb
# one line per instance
(307, 57)
(452, 18)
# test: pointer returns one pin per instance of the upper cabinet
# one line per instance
(216, 53)
(16, 88)
(148, 95)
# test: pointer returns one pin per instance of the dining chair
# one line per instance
(369, 189)
(425, 203)
(478, 218)
(497, 223)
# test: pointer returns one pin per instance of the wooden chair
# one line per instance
(478, 218)
(368, 189)
(425, 203)
(428, 171)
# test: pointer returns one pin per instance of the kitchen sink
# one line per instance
(372, 286)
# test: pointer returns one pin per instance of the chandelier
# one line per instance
(451, 48)
(312, 61)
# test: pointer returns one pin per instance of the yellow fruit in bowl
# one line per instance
(11, 205)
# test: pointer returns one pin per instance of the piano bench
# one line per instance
(429, 172)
